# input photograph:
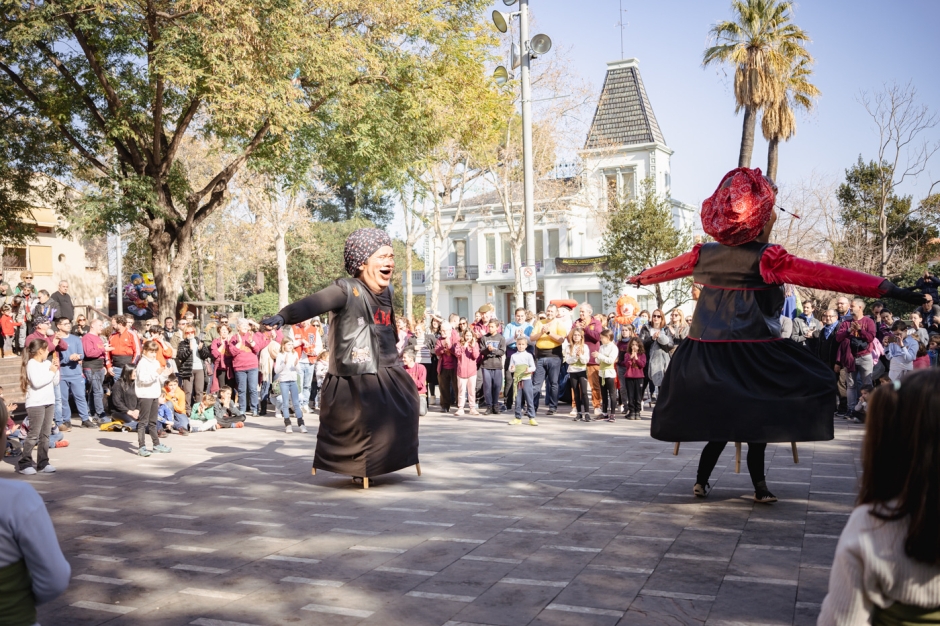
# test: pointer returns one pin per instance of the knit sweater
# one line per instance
(871, 570)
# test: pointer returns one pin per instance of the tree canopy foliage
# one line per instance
(640, 234)
(116, 87)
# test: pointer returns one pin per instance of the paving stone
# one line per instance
(560, 525)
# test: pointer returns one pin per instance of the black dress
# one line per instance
(368, 422)
(734, 379)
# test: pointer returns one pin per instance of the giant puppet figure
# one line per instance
(369, 404)
(735, 379)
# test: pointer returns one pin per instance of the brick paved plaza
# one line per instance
(561, 524)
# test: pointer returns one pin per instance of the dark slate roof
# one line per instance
(624, 115)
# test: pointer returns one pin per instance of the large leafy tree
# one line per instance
(794, 91)
(640, 234)
(760, 42)
(909, 234)
(122, 84)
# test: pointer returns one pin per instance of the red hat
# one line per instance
(738, 210)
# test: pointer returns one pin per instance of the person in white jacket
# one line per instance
(39, 379)
(606, 357)
(577, 356)
(149, 385)
(901, 350)
(886, 568)
(287, 368)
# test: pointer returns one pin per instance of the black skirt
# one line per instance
(368, 423)
(762, 392)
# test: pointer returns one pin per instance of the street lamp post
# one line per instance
(540, 44)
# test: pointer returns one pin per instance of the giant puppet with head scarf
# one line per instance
(368, 403)
(735, 379)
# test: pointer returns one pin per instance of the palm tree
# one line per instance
(794, 91)
(760, 42)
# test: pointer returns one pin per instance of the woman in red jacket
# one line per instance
(735, 379)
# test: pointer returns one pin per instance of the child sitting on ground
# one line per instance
(887, 563)
(861, 408)
(226, 411)
(164, 416)
(203, 415)
(176, 398)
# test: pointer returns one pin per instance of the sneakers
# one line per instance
(762, 494)
(143, 452)
(597, 411)
(574, 414)
(611, 418)
(577, 416)
(532, 422)
(288, 429)
(49, 469)
(162, 449)
(459, 413)
(65, 428)
(182, 431)
(62, 443)
(303, 429)
(89, 424)
(550, 412)
(474, 412)
(701, 490)
(27, 471)
(238, 425)
(514, 422)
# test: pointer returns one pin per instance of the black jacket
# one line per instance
(63, 302)
(184, 358)
(123, 397)
(827, 349)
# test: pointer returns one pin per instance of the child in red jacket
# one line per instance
(466, 351)
(8, 328)
(634, 360)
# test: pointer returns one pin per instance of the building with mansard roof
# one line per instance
(624, 146)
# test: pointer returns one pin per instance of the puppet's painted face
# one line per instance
(628, 310)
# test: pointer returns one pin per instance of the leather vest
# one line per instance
(354, 344)
(736, 304)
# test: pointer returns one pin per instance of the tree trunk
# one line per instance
(747, 137)
(280, 253)
(259, 280)
(883, 233)
(168, 273)
(517, 270)
(200, 278)
(660, 300)
(773, 148)
(435, 272)
(219, 279)
(409, 289)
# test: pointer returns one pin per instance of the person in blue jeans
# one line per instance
(244, 347)
(71, 378)
(286, 370)
(522, 366)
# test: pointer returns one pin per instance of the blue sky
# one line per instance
(858, 45)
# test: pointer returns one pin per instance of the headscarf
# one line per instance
(362, 244)
(736, 214)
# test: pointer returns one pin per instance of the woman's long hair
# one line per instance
(640, 349)
(30, 352)
(127, 373)
(575, 345)
(662, 319)
(901, 460)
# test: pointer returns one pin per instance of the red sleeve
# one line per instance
(777, 266)
(679, 267)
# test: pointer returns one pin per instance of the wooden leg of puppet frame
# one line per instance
(365, 482)
(675, 449)
(796, 455)
(418, 467)
(737, 457)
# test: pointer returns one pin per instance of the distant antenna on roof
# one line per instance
(623, 27)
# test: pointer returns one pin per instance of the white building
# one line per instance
(623, 147)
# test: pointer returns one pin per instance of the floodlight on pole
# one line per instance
(501, 75)
(501, 20)
(540, 44)
(509, 3)
(515, 56)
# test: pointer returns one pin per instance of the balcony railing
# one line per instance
(460, 272)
